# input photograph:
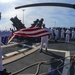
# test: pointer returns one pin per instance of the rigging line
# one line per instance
(58, 68)
(41, 62)
(26, 68)
(38, 68)
(36, 64)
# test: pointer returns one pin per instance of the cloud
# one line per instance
(12, 12)
(6, 1)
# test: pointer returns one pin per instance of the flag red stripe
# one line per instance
(29, 36)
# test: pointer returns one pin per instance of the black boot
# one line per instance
(46, 50)
(40, 50)
(4, 72)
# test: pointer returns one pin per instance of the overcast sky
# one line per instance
(53, 16)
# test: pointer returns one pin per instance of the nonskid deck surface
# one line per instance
(33, 59)
(60, 49)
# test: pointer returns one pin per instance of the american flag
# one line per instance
(4, 36)
(4, 40)
(31, 32)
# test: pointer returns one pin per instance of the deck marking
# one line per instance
(8, 45)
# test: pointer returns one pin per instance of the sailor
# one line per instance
(51, 33)
(73, 34)
(62, 33)
(2, 70)
(67, 36)
(1, 67)
(44, 40)
(56, 34)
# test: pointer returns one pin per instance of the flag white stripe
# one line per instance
(32, 32)
(11, 38)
